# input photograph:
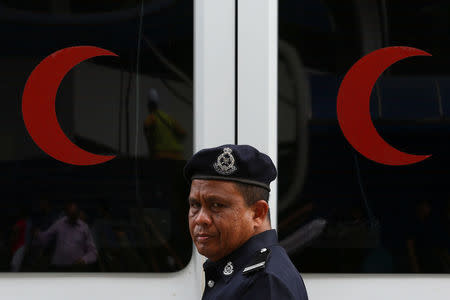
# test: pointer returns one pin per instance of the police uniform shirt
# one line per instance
(259, 269)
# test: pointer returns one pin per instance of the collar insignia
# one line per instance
(228, 270)
(225, 163)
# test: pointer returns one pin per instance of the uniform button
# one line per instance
(211, 283)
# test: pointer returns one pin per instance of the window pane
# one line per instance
(130, 213)
(338, 211)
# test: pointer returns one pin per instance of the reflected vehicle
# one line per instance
(134, 205)
(358, 216)
(338, 211)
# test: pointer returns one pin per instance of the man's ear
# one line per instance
(260, 210)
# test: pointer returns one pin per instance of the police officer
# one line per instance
(229, 223)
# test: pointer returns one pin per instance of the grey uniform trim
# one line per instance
(248, 269)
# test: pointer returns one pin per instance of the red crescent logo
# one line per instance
(353, 107)
(38, 105)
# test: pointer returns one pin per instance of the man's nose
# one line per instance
(203, 217)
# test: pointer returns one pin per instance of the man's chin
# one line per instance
(205, 250)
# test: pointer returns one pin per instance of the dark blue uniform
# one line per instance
(259, 269)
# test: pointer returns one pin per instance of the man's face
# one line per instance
(72, 212)
(219, 219)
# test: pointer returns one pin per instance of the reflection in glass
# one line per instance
(338, 211)
(126, 215)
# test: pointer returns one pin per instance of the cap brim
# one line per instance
(235, 179)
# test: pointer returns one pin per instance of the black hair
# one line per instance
(69, 203)
(152, 105)
(253, 193)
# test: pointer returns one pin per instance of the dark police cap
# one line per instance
(241, 163)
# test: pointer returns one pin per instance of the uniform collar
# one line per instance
(241, 256)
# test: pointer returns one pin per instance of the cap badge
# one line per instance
(225, 163)
(228, 270)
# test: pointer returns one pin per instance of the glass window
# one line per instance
(125, 215)
(339, 212)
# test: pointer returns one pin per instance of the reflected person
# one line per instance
(163, 133)
(74, 246)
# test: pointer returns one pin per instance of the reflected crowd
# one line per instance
(73, 238)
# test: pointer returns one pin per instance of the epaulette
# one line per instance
(259, 261)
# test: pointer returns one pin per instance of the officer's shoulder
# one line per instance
(272, 272)
(270, 260)
(272, 263)
(258, 262)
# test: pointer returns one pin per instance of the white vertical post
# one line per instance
(214, 116)
(257, 80)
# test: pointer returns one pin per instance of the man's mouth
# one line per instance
(203, 237)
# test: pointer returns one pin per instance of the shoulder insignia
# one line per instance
(259, 261)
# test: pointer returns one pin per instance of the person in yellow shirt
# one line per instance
(163, 133)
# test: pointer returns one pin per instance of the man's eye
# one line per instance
(195, 205)
(217, 205)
